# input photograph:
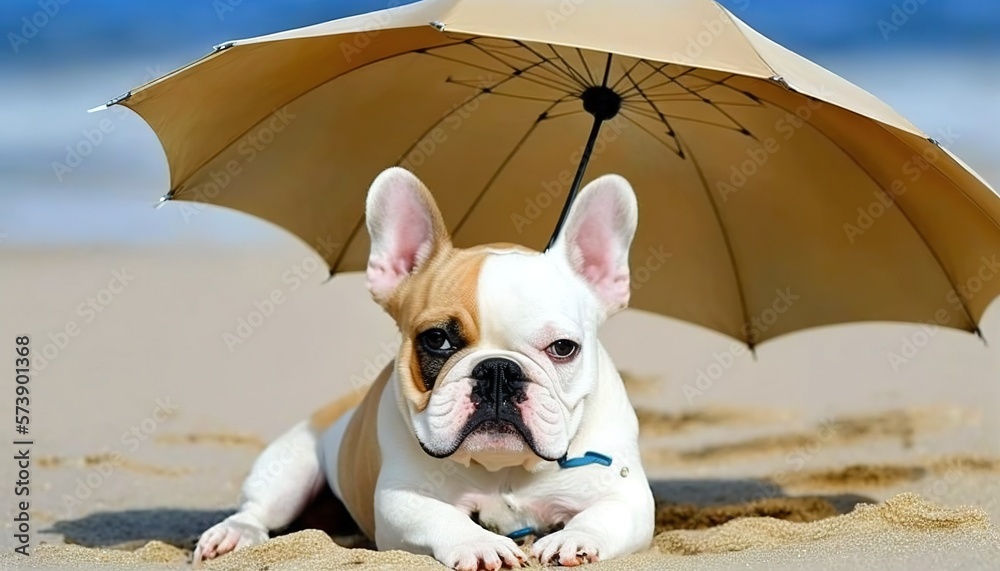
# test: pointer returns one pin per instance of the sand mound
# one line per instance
(153, 555)
(905, 512)
(905, 518)
(690, 516)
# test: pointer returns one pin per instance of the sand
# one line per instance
(815, 453)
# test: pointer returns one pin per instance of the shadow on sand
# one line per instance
(681, 504)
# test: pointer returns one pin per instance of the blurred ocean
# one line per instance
(935, 61)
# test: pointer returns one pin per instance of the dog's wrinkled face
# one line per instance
(499, 348)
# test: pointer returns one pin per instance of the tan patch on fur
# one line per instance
(360, 460)
(326, 416)
(447, 286)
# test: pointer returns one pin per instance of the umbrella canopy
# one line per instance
(774, 195)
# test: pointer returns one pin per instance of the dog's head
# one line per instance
(499, 343)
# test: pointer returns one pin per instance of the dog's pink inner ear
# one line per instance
(597, 237)
(403, 230)
(598, 263)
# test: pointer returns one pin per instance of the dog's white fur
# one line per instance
(526, 300)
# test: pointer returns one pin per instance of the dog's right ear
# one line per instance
(405, 227)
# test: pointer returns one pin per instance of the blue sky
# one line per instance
(106, 29)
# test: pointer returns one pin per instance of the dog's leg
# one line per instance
(618, 525)
(284, 478)
(408, 520)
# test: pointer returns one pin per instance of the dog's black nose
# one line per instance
(499, 382)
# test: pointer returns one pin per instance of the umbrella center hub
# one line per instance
(601, 102)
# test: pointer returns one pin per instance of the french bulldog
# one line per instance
(502, 415)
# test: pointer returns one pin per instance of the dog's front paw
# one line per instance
(488, 551)
(567, 547)
(235, 532)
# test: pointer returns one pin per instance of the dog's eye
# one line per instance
(562, 349)
(436, 340)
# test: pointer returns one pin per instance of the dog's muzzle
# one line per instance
(499, 386)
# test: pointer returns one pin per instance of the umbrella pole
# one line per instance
(577, 180)
(603, 103)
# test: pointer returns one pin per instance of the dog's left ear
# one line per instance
(405, 227)
(596, 236)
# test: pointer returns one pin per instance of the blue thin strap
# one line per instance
(523, 532)
(587, 458)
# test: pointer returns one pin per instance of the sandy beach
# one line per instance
(817, 451)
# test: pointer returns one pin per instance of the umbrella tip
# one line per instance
(439, 26)
(979, 333)
(115, 101)
(163, 199)
(780, 80)
(223, 46)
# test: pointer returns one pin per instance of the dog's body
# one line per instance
(503, 415)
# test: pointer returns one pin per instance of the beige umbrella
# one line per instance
(774, 195)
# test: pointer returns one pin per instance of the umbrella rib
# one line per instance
(542, 60)
(569, 72)
(586, 67)
(902, 212)
(484, 68)
(693, 120)
(489, 183)
(449, 114)
(229, 143)
(626, 73)
(952, 182)
(670, 129)
(522, 72)
(564, 114)
(725, 114)
(721, 83)
(651, 134)
(725, 237)
(656, 70)
(513, 95)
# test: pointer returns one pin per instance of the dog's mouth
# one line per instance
(492, 436)
(496, 427)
